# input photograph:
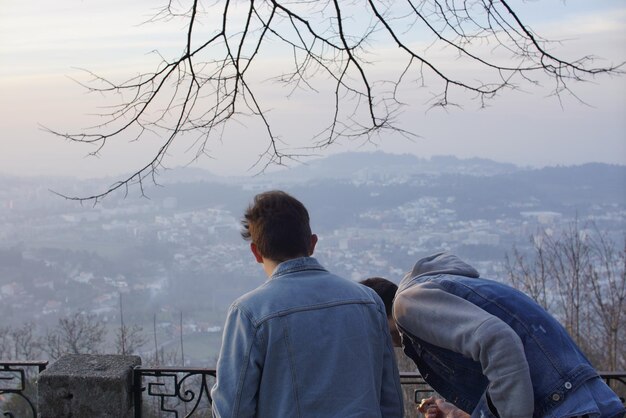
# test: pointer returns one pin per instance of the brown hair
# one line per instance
(385, 289)
(279, 226)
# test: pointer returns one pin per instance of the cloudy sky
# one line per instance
(43, 44)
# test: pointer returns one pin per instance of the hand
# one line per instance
(429, 408)
(438, 408)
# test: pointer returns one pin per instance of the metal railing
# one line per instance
(610, 377)
(185, 392)
(176, 395)
(18, 390)
(167, 391)
(173, 390)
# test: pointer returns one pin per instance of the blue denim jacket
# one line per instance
(307, 343)
(563, 381)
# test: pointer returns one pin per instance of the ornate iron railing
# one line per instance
(18, 391)
(185, 392)
(168, 391)
(174, 392)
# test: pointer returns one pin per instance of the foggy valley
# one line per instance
(175, 256)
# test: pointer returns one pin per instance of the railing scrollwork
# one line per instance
(186, 391)
(168, 391)
(177, 390)
(18, 395)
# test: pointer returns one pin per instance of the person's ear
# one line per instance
(256, 252)
(313, 242)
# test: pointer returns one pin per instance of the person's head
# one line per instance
(387, 292)
(277, 226)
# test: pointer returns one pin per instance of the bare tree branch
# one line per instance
(333, 47)
(77, 334)
(579, 275)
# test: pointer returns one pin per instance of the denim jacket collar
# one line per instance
(296, 264)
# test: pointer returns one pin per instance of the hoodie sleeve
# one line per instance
(451, 322)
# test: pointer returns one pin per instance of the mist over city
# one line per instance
(135, 135)
(175, 255)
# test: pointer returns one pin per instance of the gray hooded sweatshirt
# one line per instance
(453, 323)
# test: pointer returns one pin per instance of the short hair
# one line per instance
(384, 288)
(278, 224)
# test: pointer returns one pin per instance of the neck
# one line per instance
(269, 266)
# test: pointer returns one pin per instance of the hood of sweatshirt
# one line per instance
(440, 263)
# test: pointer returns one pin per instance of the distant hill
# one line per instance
(586, 176)
(367, 165)
(480, 188)
(187, 175)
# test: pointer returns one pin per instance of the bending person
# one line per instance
(489, 349)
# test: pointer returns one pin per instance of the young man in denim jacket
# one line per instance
(491, 350)
(306, 343)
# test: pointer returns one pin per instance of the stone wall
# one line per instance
(85, 385)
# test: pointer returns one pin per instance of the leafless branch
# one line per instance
(333, 47)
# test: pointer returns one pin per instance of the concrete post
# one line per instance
(86, 385)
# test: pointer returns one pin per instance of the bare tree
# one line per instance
(608, 281)
(23, 345)
(555, 275)
(19, 343)
(581, 274)
(568, 257)
(26, 346)
(128, 339)
(5, 344)
(530, 276)
(77, 334)
(335, 50)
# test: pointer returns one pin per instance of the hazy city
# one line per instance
(176, 256)
(134, 135)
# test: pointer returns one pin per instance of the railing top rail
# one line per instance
(620, 373)
(172, 369)
(44, 363)
(23, 363)
(410, 374)
(8, 364)
(604, 374)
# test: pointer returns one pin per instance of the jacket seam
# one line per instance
(242, 375)
(298, 269)
(314, 307)
(293, 370)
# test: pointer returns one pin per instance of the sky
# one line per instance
(43, 46)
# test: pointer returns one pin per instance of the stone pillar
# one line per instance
(86, 385)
